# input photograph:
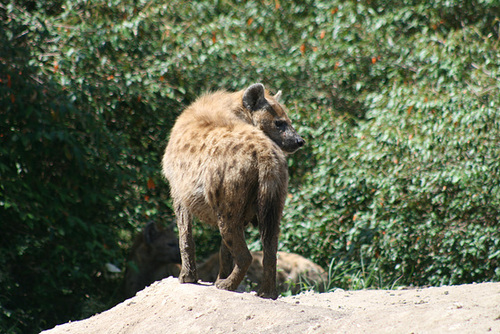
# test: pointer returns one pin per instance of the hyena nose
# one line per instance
(300, 142)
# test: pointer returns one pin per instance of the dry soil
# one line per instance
(170, 307)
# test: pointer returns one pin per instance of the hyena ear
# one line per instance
(253, 98)
(277, 97)
(150, 232)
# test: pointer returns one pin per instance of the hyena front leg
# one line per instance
(268, 285)
(186, 244)
(270, 212)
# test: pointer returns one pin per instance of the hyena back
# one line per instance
(225, 162)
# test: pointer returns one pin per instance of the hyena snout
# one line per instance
(292, 142)
(300, 141)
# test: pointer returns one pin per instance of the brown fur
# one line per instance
(226, 165)
(292, 270)
(154, 255)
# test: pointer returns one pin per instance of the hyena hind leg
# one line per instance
(235, 242)
(226, 264)
(186, 244)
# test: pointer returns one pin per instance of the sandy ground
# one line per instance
(170, 307)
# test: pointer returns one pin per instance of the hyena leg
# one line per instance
(186, 245)
(234, 240)
(225, 261)
(268, 285)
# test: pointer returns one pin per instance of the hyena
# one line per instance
(225, 162)
(293, 271)
(154, 255)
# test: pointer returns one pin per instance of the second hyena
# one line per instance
(154, 255)
(225, 162)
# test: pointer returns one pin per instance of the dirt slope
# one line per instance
(169, 307)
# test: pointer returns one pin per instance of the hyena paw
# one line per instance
(225, 284)
(188, 278)
(273, 294)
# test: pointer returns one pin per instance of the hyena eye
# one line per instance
(280, 124)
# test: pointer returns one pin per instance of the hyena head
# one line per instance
(270, 116)
(162, 244)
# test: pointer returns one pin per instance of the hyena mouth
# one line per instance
(292, 146)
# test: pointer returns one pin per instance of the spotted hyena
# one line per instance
(293, 272)
(154, 255)
(226, 165)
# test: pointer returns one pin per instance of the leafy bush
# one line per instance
(59, 204)
(411, 194)
(398, 101)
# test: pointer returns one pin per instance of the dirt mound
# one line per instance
(170, 307)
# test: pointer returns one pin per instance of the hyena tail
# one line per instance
(271, 200)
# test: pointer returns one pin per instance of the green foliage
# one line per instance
(58, 187)
(398, 101)
(411, 194)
